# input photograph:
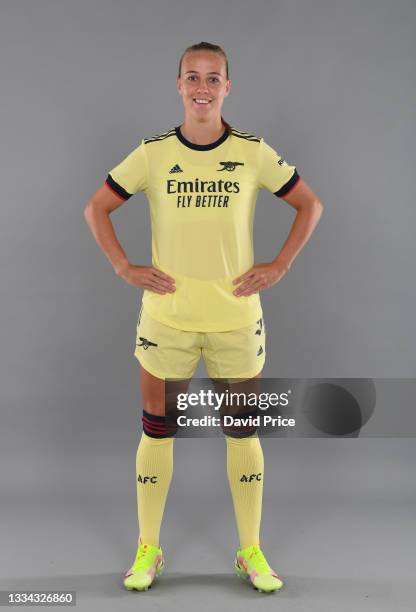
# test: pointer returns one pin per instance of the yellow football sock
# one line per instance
(245, 469)
(154, 469)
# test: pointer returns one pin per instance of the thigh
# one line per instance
(236, 354)
(155, 391)
(241, 403)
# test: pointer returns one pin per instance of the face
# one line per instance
(203, 84)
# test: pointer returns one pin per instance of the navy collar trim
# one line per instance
(197, 147)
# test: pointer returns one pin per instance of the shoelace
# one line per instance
(261, 563)
(142, 560)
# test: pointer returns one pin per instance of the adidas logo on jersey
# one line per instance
(176, 168)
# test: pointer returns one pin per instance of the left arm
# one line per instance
(309, 210)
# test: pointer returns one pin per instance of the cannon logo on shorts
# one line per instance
(145, 479)
(250, 477)
(145, 343)
(230, 166)
(260, 351)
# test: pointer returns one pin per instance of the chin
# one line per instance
(200, 116)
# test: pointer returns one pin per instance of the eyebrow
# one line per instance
(196, 72)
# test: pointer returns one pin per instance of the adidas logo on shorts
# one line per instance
(258, 331)
(176, 168)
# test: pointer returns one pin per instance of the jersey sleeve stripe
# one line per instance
(118, 189)
(288, 186)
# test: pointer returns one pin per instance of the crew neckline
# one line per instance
(198, 147)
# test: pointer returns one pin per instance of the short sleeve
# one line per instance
(275, 174)
(130, 175)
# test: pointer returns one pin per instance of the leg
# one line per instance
(162, 352)
(245, 471)
(157, 352)
(154, 468)
(154, 460)
(236, 359)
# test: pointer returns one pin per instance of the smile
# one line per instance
(201, 101)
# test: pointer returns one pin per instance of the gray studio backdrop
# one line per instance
(330, 85)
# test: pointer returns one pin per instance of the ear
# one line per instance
(179, 85)
(227, 88)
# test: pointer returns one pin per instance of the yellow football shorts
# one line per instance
(167, 352)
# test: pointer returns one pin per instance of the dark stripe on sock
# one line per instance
(157, 426)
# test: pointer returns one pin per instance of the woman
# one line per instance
(201, 295)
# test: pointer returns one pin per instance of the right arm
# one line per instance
(97, 216)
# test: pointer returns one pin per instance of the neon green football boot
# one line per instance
(250, 564)
(148, 564)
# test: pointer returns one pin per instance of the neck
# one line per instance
(202, 132)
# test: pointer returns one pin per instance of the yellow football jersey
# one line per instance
(202, 201)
